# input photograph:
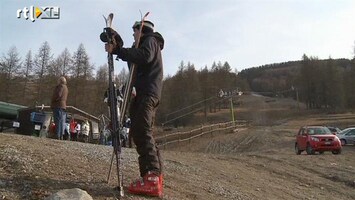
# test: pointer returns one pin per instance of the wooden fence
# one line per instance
(187, 136)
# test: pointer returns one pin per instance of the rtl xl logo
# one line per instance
(43, 12)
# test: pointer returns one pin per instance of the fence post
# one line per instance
(232, 110)
(165, 139)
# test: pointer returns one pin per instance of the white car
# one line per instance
(347, 137)
(345, 131)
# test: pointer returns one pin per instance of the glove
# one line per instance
(115, 38)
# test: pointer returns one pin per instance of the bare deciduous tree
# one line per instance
(82, 72)
(27, 72)
(10, 67)
(65, 62)
(41, 68)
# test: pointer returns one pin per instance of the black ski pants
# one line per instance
(142, 114)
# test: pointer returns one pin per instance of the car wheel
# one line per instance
(309, 150)
(343, 142)
(336, 152)
(321, 152)
(297, 150)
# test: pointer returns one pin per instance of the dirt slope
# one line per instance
(254, 163)
(31, 168)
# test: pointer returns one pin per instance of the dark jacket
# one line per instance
(60, 95)
(148, 60)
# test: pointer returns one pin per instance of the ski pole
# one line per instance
(109, 172)
(112, 97)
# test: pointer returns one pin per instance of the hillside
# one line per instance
(254, 163)
(278, 78)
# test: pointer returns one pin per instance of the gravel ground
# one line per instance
(33, 168)
(256, 163)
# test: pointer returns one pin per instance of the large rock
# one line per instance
(70, 194)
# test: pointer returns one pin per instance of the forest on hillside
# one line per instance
(30, 81)
(319, 83)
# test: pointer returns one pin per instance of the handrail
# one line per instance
(227, 126)
(201, 128)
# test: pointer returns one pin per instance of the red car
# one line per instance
(316, 139)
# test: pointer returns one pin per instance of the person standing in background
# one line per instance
(72, 130)
(59, 105)
(85, 131)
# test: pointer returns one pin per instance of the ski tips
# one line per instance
(145, 16)
(105, 19)
(110, 16)
(108, 20)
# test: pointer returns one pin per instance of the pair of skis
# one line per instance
(118, 108)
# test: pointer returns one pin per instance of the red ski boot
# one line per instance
(150, 185)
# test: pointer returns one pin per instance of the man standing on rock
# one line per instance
(148, 85)
(58, 105)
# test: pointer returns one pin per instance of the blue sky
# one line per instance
(245, 33)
